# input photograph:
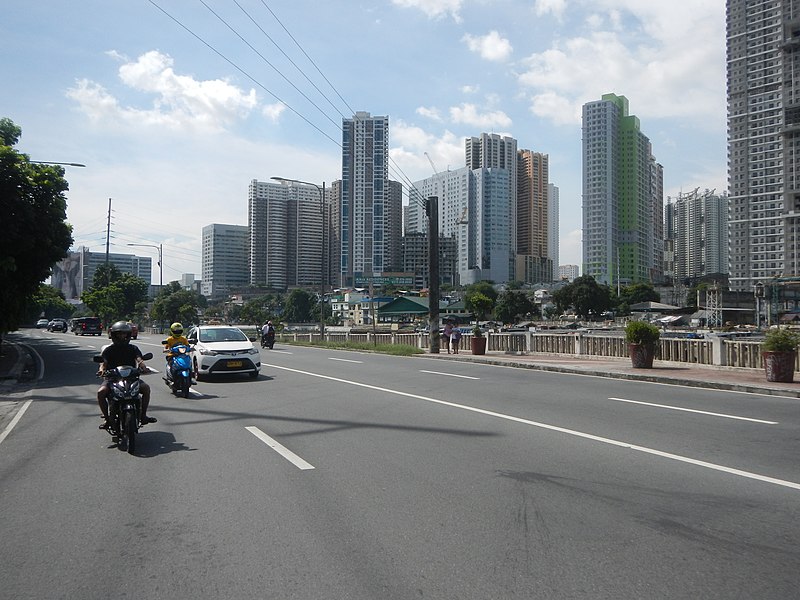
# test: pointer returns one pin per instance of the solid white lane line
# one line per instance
(281, 352)
(15, 420)
(282, 450)
(448, 374)
(346, 360)
(692, 410)
(588, 436)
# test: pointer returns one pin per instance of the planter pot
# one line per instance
(642, 355)
(478, 345)
(779, 366)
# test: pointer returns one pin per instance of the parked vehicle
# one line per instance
(178, 370)
(223, 349)
(57, 325)
(41, 323)
(87, 326)
(124, 403)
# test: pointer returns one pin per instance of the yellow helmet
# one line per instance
(176, 329)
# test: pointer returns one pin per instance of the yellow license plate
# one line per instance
(234, 364)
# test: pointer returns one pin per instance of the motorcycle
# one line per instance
(178, 373)
(124, 402)
(268, 339)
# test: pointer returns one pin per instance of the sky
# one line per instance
(174, 106)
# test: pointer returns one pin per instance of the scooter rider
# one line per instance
(267, 331)
(122, 352)
(176, 337)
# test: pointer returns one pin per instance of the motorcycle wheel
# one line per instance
(129, 430)
(185, 388)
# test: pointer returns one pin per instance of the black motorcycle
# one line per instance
(268, 339)
(124, 403)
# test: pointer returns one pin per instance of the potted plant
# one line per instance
(477, 341)
(642, 338)
(778, 353)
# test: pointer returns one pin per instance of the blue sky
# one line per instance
(174, 115)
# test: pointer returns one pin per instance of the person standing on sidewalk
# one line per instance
(455, 339)
(446, 333)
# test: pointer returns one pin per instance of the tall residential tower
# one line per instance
(763, 139)
(622, 197)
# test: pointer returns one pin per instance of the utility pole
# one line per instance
(432, 210)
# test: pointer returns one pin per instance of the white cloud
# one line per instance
(667, 65)
(470, 89)
(430, 113)
(555, 7)
(434, 9)
(180, 101)
(410, 143)
(273, 111)
(490, 46)
(468, 114)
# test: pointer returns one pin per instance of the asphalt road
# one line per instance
(348, 475)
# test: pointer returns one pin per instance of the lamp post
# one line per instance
(321, 191)
(160, 264)
(47, 162)
(758, 292)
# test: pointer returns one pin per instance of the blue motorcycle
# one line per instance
(178, 373)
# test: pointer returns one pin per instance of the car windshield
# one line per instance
(224, 334)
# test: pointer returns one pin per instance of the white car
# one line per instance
(223, 349)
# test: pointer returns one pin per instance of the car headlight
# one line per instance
(253, 351)
(207, 352)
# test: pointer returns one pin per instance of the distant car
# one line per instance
(223, 349)
(42, 323)
(87, 326)
(57, 325)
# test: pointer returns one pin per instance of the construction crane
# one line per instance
(433, 166)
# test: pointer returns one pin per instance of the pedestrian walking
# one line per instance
(455, 339)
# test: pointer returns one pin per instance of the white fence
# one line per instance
(713, 350)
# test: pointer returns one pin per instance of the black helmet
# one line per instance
(121, 332)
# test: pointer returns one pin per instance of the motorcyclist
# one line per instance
(122, 352)
(176, 337)
(267, 332)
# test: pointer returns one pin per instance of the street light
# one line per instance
(160, 265)
(758, 292)
(321, 191)
(47, 162)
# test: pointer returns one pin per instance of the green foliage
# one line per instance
(115, 295)
(780, 339)
(50, 302)
(640, 332)
(635, 293)
(587, 297)
(298, 307)
(173, 303)
(511, 305)
(479, 304)
(477, 331)
(35, 236)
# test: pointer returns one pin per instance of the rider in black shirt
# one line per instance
(122, 352)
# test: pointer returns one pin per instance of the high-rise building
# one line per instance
(763, 55)
(533, 262)
(569, 272)
(622, 196)
(75, 274)
(553, 224)
(493, 151)
(696, 227)
(365, 197)
(286, 235)
(474, 208)
(415, 259)
(225, 259)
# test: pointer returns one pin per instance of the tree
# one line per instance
(511, 305)
(36, 235)
(114, 295)
(50, 302)
(176, 304)
(479, 298)
(585, 296)
(298, 307)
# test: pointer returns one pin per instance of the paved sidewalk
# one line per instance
(723, 378)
